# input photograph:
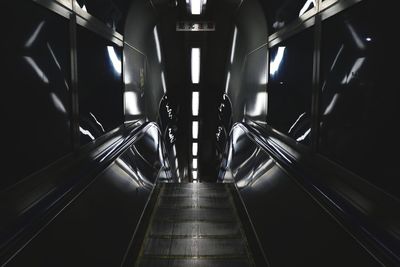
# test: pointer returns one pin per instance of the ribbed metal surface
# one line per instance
(194, 225)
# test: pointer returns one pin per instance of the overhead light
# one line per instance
(194, 175)
(196, 7)
(195, 65)
(195, 103)
(233, 44)
(195, 149)
(195, 130)
(157, 40)
(194, 164)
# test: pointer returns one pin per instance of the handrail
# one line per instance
(40, 197)
(343, 194)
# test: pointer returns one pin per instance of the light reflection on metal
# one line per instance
(332, 104)
(228, 79)
(157, 41)
(164, 85)
(274, 66)
(34, 35)
(337, 57)
(58, 103)
(54, 56)
(86, 132)
(116, 62)
(131, 103)
(295, 123)
(357, 39)
(354, 70)
(97, 122)
(307, 6)
(260, 105)
(301, 138)
(36, 68)
(233, 44)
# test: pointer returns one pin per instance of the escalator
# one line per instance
(195, 224)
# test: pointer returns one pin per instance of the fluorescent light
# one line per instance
(195, 149)
(195, 130)
(228, 79)
(277, 60)
(114, 59)
(163, 82)
(233, 44)
(195, 7)
(195, 65)
(194, 164)
(195, 175)
(195, 103)
(157, 43)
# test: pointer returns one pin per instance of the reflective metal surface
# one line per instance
(35, 78)
(95, 228)
(290, 86)
(286, 219)
(359, 95)
(100, 100)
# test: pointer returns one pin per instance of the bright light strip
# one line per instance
(195, 149)
(114, 59)
(277, 60)
(195, 103)
(98, 123)
(195, 65)
(194, 164)
(306, 6)
(194, 175)
(131, 103)
(164, 85)
(157, 43)
(228, 79)
(195, 130)
(86, 132)
(34, 35)
(196, 6)
(37, 69)
(233, 44)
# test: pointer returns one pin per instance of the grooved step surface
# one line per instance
(194, 225)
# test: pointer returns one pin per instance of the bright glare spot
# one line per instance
(195, 149)
(86, 132)
(195, 130)
(306, 6)
(114, 59)
(194, 164)
(301, 138)
(233, 44)
(157, 40)
(195, 7)
(194, 175)
(131, 103)
(277, 60)
(163, 82)
(368, 39)
(228, 79)
(204, 2)
(84, 8)
(195, 103)
(195, 65)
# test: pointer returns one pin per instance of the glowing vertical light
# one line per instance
(157, 40)
(195, 103)
(195, 130)
(233, 44)
(195, 65)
